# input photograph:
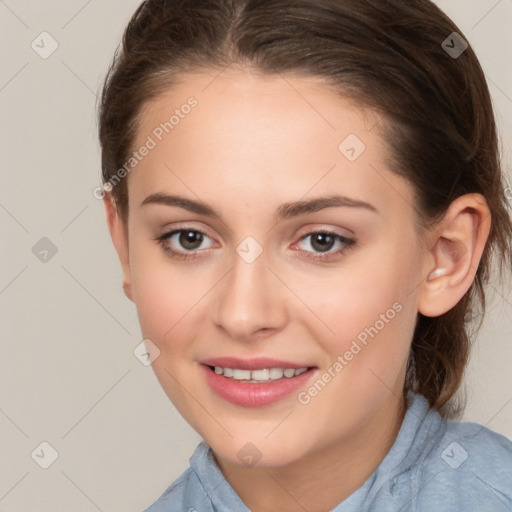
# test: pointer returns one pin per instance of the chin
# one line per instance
(257, 454)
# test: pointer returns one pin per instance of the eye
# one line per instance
(183, 243)
(323, 242)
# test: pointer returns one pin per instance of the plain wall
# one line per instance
(69, 376)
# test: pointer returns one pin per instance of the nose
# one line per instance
(251, 301)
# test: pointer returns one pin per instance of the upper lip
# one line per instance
(256, 363)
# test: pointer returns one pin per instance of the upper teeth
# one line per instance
(260, 375)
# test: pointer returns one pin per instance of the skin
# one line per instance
(253, 143)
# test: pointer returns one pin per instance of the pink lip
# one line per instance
(254, 395)
(256, 363)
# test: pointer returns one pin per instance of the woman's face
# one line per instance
(265, 280)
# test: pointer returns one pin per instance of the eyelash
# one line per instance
(348, 245)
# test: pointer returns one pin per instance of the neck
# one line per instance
(319, 481)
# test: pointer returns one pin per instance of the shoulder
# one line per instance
(473, 463)
(200, 487)
(483, 444)
(185, 494)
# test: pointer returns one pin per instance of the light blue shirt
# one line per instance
(434, 465)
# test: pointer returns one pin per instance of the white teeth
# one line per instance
(241, 374)
(262, 375)
(276, 373)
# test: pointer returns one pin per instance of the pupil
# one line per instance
(324, 242)
(189, 238)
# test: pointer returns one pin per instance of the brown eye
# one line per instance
(184, 243)
(322, 242)
(190, 239)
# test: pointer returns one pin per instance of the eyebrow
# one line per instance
(285, 211)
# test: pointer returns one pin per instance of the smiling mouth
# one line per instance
(259, 376)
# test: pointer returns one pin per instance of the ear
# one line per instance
(456, 246)
(119, 235)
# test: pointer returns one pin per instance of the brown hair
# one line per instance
(389, 55)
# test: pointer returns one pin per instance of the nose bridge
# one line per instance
(249, 300)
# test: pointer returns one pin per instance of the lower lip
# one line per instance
(254, 395)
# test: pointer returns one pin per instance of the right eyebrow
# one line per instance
(182, 202)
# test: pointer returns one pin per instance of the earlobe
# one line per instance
(457, 244)
(119, 238)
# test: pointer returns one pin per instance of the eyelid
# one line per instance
(176, 228)
(347, 243)
(166, 233)
(324, 228)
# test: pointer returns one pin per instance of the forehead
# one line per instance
(259, 134)
(243, 104)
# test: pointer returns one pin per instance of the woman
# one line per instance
(305, 198)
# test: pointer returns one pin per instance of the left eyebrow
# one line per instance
(285, 211)
(289, 210)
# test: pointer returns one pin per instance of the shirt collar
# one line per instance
(412, 443)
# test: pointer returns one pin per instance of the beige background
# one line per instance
(69, 376)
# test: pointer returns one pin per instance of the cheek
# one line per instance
(168, 308)
(173, 303)
(367, 310)
(162, 295)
